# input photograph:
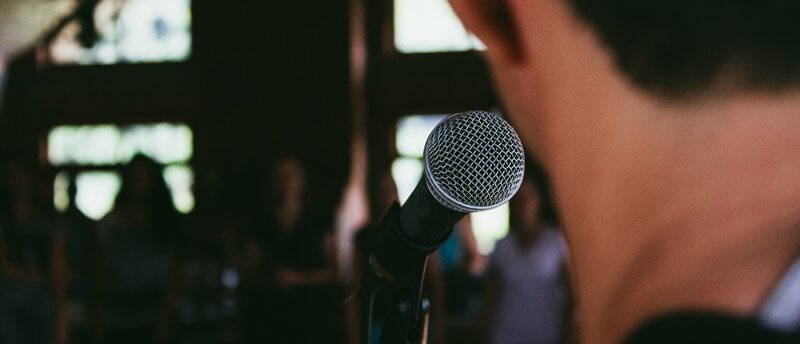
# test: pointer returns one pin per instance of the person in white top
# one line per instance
(527, 297)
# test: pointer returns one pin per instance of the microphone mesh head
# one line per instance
(473, 161)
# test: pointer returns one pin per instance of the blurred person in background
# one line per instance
(292, 294)
(462, 269)
(201, 301)
(527, 298)
(137, 241)
(83, 268)
(382, 192)
(32, 265)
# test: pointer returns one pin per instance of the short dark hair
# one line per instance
(679, 48)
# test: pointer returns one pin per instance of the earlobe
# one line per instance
(493, 22)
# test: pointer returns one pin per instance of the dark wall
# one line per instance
(265, 78)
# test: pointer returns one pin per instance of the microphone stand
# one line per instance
(407, 321)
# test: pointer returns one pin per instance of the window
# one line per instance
(94, 147)
(108, 144)
(96, 192)
(412, 132)
(129, 31)
(422, 26)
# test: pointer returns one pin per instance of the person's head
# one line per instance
(144, 185)
(72, 192)
(19, 193)
(289, 177)
(569, 57)
(285, 181)
(673, 49)
(382, 192)
(17, 179)
(142, 174)
(669, 131)
(526, 209)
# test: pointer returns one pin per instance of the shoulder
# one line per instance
(111, 223)
(502, 248)
(115, 217)
(702, 327)
(554, 239)
(504, 243)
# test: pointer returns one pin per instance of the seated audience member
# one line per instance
(136, 241)
(83, 266)
(669, 130)
(32, 269)
(292, 293)
(462, 266)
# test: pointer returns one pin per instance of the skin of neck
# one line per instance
(666, 205)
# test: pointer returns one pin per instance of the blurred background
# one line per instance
(206, 172)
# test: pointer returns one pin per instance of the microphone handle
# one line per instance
(424, 220)
(395, 257)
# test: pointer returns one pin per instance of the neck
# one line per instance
(725, 263)
(698, 211)
(527, 234)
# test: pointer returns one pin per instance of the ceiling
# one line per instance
(22, 22)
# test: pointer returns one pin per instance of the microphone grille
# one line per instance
(473, 161)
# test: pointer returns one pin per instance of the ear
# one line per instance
(493, 23)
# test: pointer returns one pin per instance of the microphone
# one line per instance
(474, 161)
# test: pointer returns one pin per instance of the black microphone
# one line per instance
(473, 161)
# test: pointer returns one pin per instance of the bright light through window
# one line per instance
(165, 143)
(406, 173)
(422, 26)
(130, 31)
(85, 145)
(412, 132)
(96, 193)
(110, 144)
(490, 226)
(180, 179)
(105, 144)
(61, 192)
